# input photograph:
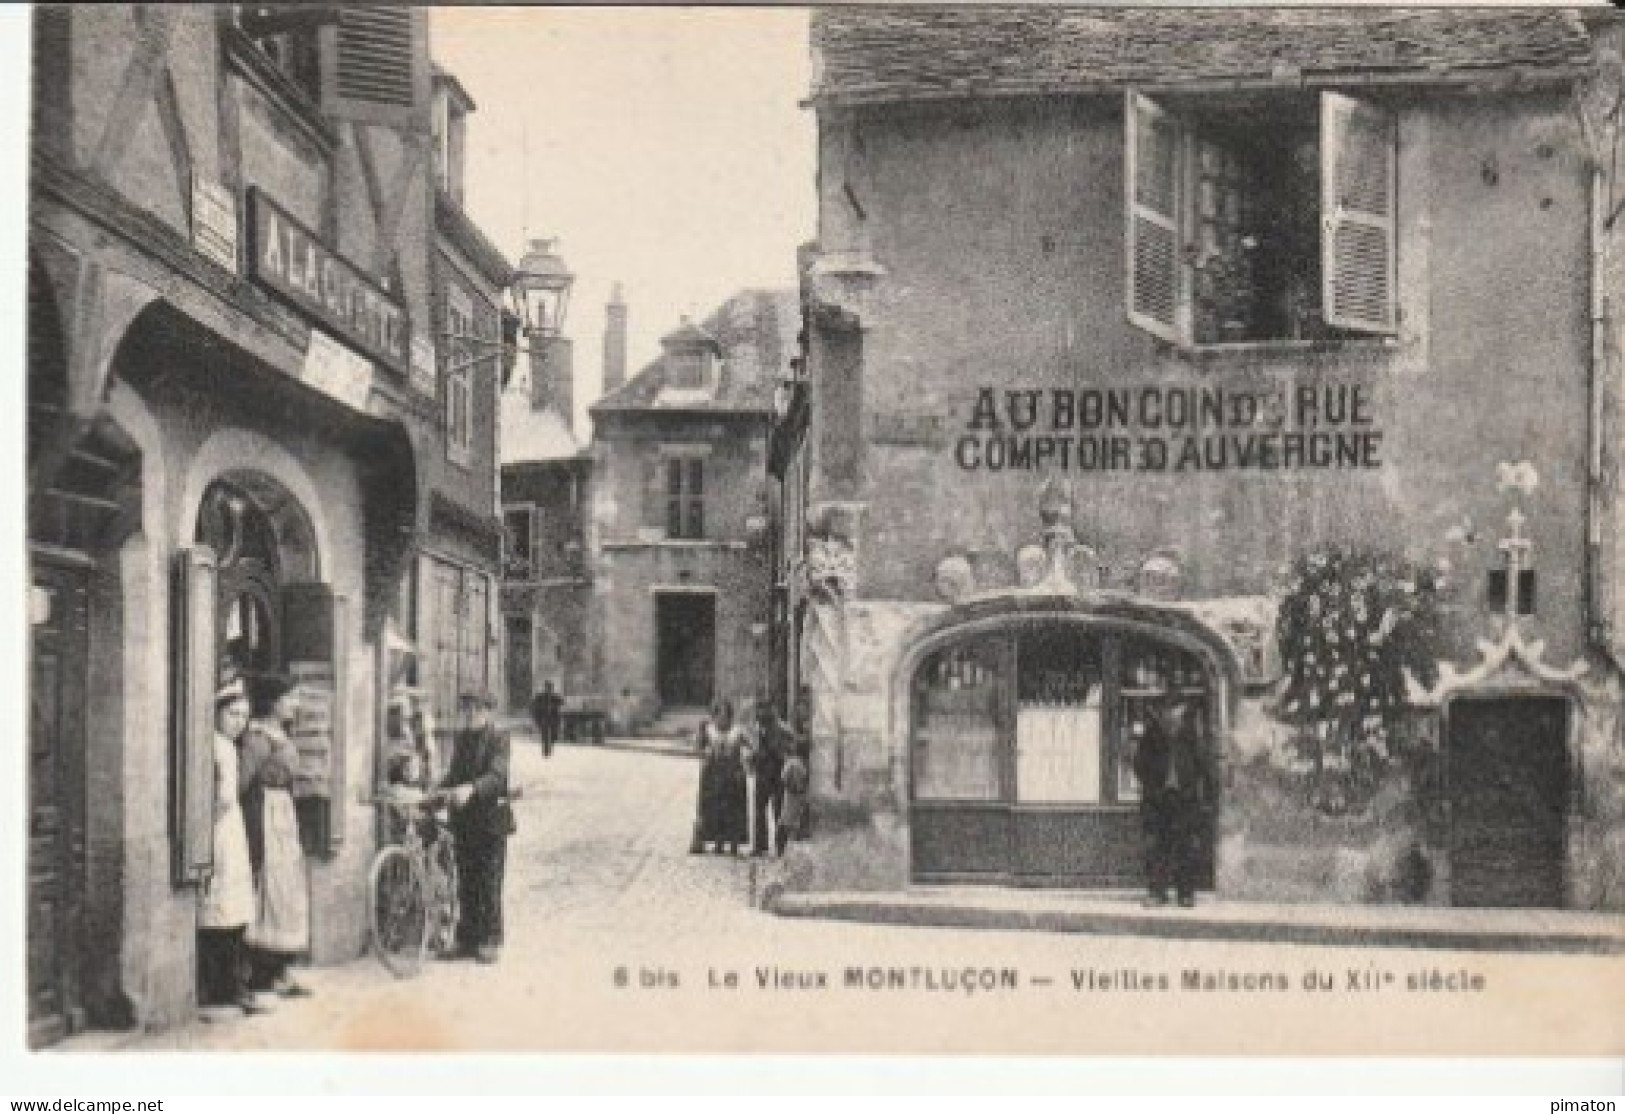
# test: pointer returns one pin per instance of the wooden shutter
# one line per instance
(192, 763)
(1357, 201)
(1153, 146)
(654, 494)
(696, 498)
(375, 66)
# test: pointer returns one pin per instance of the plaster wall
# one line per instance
(1000, 228)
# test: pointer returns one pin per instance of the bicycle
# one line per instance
(413, 886)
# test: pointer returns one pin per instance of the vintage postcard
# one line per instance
(907, 530)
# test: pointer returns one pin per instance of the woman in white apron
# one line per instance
(281, 927)
(226, 905)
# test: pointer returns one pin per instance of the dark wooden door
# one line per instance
(1509, 787)
(56, 800)
(519, 667)
(687, 651)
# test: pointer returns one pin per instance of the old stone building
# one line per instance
(234, 443)
(678, 517)
(1268, 358)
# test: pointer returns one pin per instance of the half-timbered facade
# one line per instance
(233, 392)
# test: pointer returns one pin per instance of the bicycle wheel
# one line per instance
(441, 899)
(398, 919)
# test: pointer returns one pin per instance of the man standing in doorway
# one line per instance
(481, 820)
(1176, 787)
(547, 710)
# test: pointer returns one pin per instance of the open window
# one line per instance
(1266, 220)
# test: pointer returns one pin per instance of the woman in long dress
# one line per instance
(281, 927)
(226, 903)
(724, 812)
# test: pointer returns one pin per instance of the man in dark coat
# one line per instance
(481, 820)
(772, 748)
(547, 708)
(1176, 788)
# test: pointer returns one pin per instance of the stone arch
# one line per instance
(278, 483)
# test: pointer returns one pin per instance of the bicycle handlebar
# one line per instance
(437, 798)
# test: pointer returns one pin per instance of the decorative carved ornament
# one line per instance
(1508, 665)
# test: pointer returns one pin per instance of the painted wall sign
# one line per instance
(214, 221)
(337, 371)
(292, 261)
(1167, 428)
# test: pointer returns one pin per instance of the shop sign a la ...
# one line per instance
(293, 262)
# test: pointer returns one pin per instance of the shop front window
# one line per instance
(1059, 739)
(1079, 704)
(956, 740)
(1152, 674)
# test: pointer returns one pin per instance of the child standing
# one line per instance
(793, 819)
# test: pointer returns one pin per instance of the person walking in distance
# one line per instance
(476, 786)
(767, 758)
(1176, 786)
(547, 708)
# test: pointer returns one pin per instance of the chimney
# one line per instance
(552, 376)
(614, 340)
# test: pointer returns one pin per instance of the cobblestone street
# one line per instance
(618, 940)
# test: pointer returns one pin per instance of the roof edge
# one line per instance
(1493, 76)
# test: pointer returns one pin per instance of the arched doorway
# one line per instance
(262, 542)
(1021, 742)
(273, 614)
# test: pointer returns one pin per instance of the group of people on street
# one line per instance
(254, 918)
(254, 910)
(776, 755)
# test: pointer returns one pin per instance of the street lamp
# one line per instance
(541, 286)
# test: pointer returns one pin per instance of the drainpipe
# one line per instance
(1598, 624)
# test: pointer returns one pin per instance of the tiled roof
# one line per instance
(757, 331)
(881, 54)
(529, 434)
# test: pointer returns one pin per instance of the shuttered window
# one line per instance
(375, 66)
(192, 781)
(459, 377)
(1154, 145)
(1274, 222)
(1357, 213)
(685, 497)
(674, 495)
(653, 521)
